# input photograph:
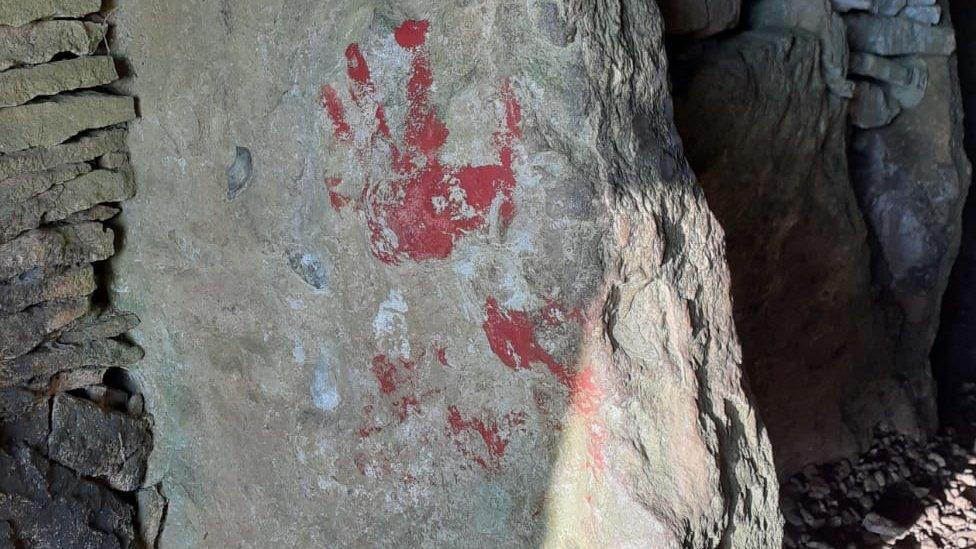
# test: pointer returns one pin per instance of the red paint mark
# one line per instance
(489, 432)
(421, 206)
(441, 353)
(333, 105)
(511, 336)
(385, 372)
(338, 201)
(411, 34)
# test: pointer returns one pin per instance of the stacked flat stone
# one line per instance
(74, 437)
(900, 493)
(889, 40)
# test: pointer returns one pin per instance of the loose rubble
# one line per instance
(74, 435)
(900, 493)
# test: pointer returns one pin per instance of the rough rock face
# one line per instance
(954, 355)
(700, 17)
(828, 141)
(436, 272)
(74, 438)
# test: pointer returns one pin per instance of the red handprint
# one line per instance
(417, 206)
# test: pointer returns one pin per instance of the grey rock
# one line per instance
(897, 36)
(102, 444)
(21, 332)
(700, 18)
(86, 147)
(20, 188)
(903, 79)
(888, 8)
(817, 18)
(931, 15)
(872, 107)
(848, 5)
(95, 213)
(48, 505)
(113, 160)
(55, 246)
(240, 171)
(788, 180)
(16, 13)
(884, 527)
(51, 122)
(108, 323)
(152, 510)
(309, 267)
(910, 176)
(63, 200)
(18, 86)
(33, 287)
(39, 368)
(39, 42)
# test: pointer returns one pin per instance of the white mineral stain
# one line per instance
(298, 352)
(325, 394)
(390, 325)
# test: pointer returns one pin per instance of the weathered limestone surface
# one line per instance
(535, 351)
(17, 86)
(39, 42)
(19, 12)
(51, 122)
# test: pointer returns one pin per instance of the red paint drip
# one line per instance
(422, 206)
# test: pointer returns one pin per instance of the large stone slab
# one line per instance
(17, 86)
(40, 42)
(48, 505)
(897, 36)
(38, 368)
(23, 187)
(33, 287)
(55, 246)
(506, 318)
(97, 443)
(82, 149)
(23, 331)
(63, 200)
(19, 12)
(51, 122)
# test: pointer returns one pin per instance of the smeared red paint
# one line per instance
(419, 209)
(385, 372)
(337, 200)
(489, 432)
(333, 105)
(511, 336)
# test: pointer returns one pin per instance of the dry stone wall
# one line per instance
(74, 435)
